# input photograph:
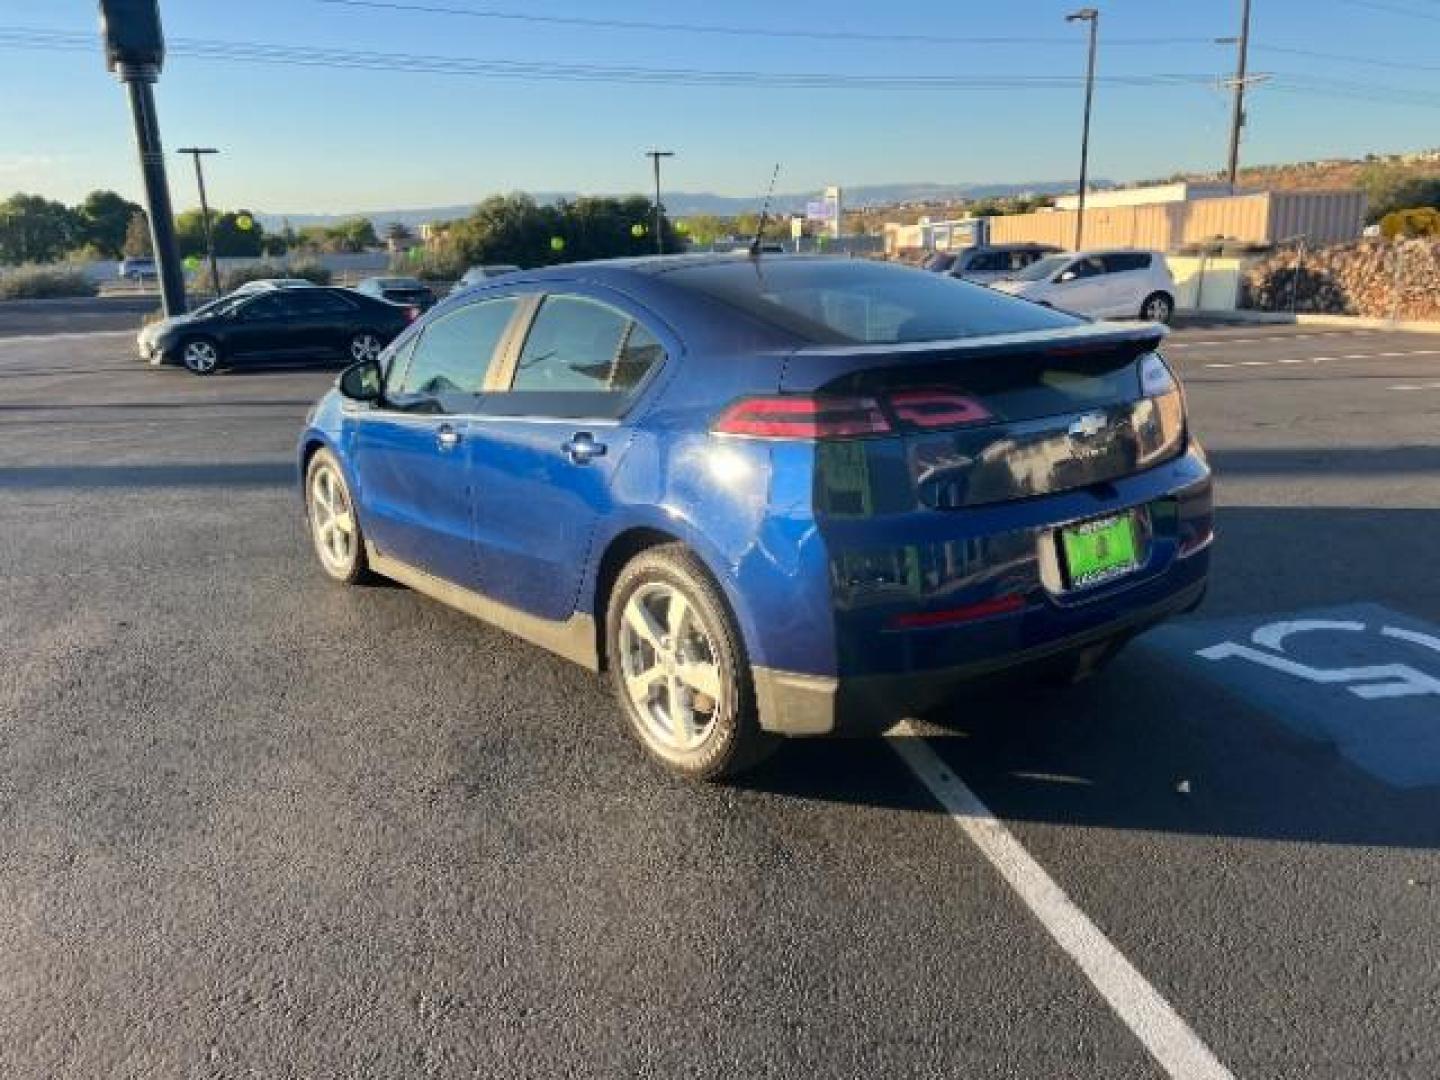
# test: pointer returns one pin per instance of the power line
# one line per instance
(1394, 9)
(306, 56)
(588, 22)
(1344, 58)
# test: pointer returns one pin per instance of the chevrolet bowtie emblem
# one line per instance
(1088, 426)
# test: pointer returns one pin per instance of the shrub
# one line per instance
(45, 283)
(429, 265)
(1416, 222)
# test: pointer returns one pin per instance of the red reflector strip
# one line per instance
(796, 417)
(999, 605)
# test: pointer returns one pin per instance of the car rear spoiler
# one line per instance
(811, 367)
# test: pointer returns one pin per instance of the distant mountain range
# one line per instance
(686, 203)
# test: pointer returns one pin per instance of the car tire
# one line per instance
(364, 345)
(680, 672)
(200, 356)
(1158, 307)
(332, 522)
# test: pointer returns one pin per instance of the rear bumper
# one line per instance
(796, 704)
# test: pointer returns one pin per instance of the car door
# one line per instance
(324, 320)
(550, 440)
(1122, 284)
(262, 328)
(1078, 287)
(413, 452)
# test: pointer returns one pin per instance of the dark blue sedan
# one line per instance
(771, 496)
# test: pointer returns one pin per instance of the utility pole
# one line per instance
(1237, 115)
(135, 52)
(1092, 16)
(655, 156)
(197, 152)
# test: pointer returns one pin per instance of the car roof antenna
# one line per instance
(764, 215)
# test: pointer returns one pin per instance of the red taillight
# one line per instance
(795, 417)
(937, 408)
(412, 313)
(919, 620)
(798, 416)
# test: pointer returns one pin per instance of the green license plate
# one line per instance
(1100, 550)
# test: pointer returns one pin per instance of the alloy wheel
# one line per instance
(1158, 309)
(670, 668)
(332, 520)
(201, 357)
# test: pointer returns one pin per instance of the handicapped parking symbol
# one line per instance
(1370, 682)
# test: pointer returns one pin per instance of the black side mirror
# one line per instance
(362, 381)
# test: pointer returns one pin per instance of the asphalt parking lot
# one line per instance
(257, 825)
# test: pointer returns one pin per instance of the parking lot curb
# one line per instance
(1282, 318)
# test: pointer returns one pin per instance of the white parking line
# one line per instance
(1170, 1040)
(1325, 359)
(1420, 386)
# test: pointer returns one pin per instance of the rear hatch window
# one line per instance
(1006, 420)
(858, 302)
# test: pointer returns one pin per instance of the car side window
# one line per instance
(1087, 267)
(581, 358)
(320, 302)
(448, 364)
(268, 306)
(1127, 261)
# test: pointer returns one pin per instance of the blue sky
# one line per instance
(303, 139)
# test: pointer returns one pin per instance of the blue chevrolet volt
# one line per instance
(771, 496)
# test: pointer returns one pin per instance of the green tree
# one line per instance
(1416, 222)
(137, 236)
(231, 237)
(35, 229)
(355, 234)
(104, 219)
(705, 229)
(1397, 187)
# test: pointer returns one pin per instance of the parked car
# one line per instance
(266, 284)
(772, 497)
(140, 268)
(1120, 284)
(398, 290)
(275, 324)
(987, 264)
(476, 274)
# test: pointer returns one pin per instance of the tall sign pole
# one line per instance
(197, 152)
(135, 52)
(1092, 16)
(655, 156)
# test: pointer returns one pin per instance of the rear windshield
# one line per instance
(857, 302)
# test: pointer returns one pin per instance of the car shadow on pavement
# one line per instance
(1163, 742)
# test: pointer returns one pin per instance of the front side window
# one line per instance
(581, 358)
(449, 363)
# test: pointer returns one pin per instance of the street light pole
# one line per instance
(196, 152)
(135, 52)
(655, 156)
(1237, 114)
(1092, 16)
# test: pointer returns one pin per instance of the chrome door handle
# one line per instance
(582, 448)
(447, 437)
